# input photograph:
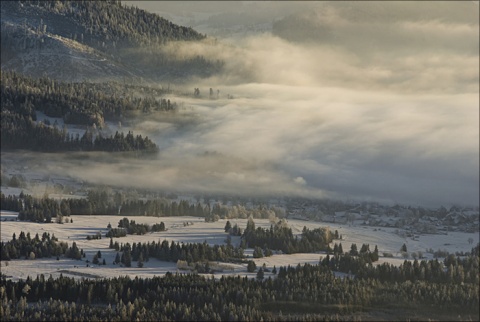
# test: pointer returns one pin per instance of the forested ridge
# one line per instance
(107, 21)
(131, 39)
(76, 103)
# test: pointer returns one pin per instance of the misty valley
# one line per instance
(240, 161)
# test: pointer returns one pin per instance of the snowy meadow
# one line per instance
(195, 230)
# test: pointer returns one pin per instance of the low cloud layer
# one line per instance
(321, 120)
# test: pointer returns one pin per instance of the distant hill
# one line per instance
(94, 40)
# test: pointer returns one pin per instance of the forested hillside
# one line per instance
(95, 22)
(76, 103)
(105, 38)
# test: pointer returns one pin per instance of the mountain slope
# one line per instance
(95, 40)
(43, 54)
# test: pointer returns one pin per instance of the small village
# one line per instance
(410, 221)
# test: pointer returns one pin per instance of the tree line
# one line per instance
(20, 133)
(102, 203)
(173, 252)
(298, 293)
(44, 209)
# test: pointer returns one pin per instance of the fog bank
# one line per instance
(395, 119)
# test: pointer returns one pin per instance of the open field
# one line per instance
(197, 231)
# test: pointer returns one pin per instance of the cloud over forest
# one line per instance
(393, 119)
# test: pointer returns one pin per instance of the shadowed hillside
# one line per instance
(77, 40)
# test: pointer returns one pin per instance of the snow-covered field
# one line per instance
(197, 231)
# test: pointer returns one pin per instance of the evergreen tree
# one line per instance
(257, 252)
(117, 259)
(251, 266)
(260, 274)
(375, 254)
(127, 257)
(228, 226)
(353, 250)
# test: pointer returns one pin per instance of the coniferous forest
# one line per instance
(129, 36)
(78, 103)
(302, 293)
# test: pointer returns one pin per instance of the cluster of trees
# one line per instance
(126, 258)
(46, 246)
(74, 252)
(96, 259)
(117, 143)
(116, 232)
(132, 228)
(233, 230)
(173, 252)
(35, 209)
(44, 209)
(24, 246)
(98, 235)
(301, 293)
(280, 237)
(364, 252)
(16, 180)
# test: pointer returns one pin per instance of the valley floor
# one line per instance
(196, 230)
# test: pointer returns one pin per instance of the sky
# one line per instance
(366, 101)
